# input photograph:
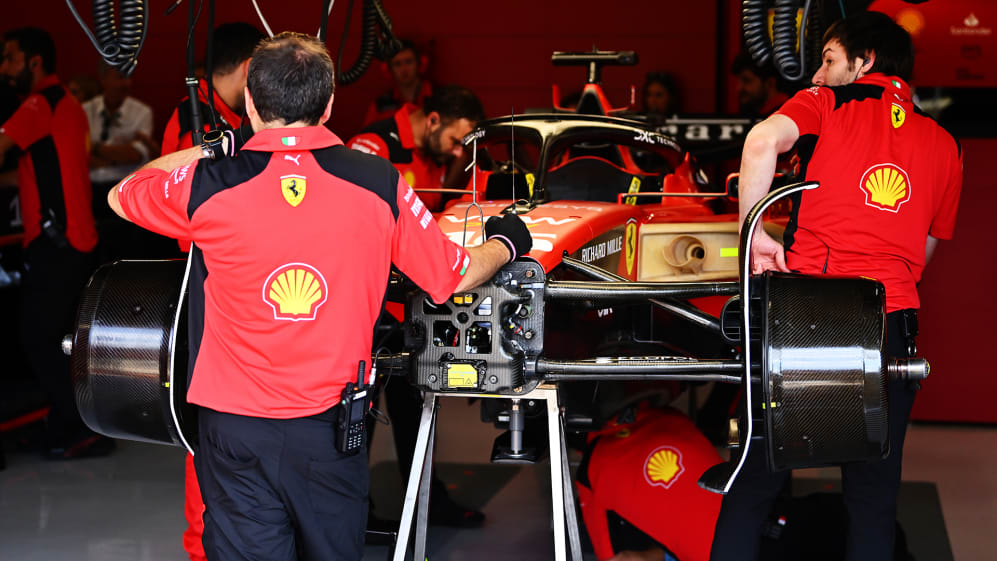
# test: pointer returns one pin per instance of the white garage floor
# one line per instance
(128, 506)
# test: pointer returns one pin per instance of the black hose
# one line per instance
(784, 41)
(117, 41)
(368, 42)
(754, 23)
(382, 45)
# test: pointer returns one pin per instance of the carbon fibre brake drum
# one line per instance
(824, 370)
(123, 353)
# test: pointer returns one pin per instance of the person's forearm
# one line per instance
(486, 260)
(168, 162)
(929, 248)
(757, 170)
(762, 146)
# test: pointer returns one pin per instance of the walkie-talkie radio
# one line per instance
(354, 404)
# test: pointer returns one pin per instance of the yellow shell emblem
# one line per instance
(293, 189)
(630, 245)
(663, 466)
(886, 187)
(295, 291)
(897, 116)
(409, 176)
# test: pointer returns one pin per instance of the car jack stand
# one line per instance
(417, 489)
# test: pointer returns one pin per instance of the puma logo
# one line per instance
(293, 158)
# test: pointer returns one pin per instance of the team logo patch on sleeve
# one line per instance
(293, 189)
(295, 291)
(886, 187)
(663, 466)
(897, 116)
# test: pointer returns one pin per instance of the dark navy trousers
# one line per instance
(870, 488)
(278, 490)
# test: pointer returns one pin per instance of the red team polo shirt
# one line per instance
(67, 126)
(392, 140)
(889, 176)
(297, 235)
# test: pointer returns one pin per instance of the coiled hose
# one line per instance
(118, 43)
(381, 44)
(754, 27)
(788, 48)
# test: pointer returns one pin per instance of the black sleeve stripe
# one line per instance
(855, 92)
(369, 172)
(387, 130)
(212, 177)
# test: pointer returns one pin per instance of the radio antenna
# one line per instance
(474, 192)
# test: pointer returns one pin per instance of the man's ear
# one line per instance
(328, 110)
(433, 118)
(250, 106)
(245, 68)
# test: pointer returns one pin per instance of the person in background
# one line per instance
(890, 179)
(661, 96)
(53, 182)
(426, 143)
(232, 47)
(120, 128)
(758, 89)
(408, 84)
(83, 87)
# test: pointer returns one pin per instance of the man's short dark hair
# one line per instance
(454, 103)
(865, 32)
(33, 41)
(291, 78)
(407, 45)
(744, 62)
(233, 43)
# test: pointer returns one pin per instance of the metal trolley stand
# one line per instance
(417, 490)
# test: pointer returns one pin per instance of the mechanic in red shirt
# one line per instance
(890, 180)
(232, 47)
(281, 316)
(53, 180)
(409, 84)
(425, 143)
(638, 492)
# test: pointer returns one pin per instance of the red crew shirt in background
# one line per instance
(647, 473)
(177, 137)
(70, 131)
(292, 288)
(889, 176)
(392, 140)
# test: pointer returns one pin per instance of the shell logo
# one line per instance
(663, 466)
(295, 291)
(886, 187)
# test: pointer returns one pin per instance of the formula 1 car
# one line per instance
(637, 273)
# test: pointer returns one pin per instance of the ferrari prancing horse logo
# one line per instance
(293, 189)
(630, 244)
(897, 116)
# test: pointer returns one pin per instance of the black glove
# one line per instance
(510, 230)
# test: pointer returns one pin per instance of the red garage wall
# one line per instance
(500, 50)
(958, 305)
